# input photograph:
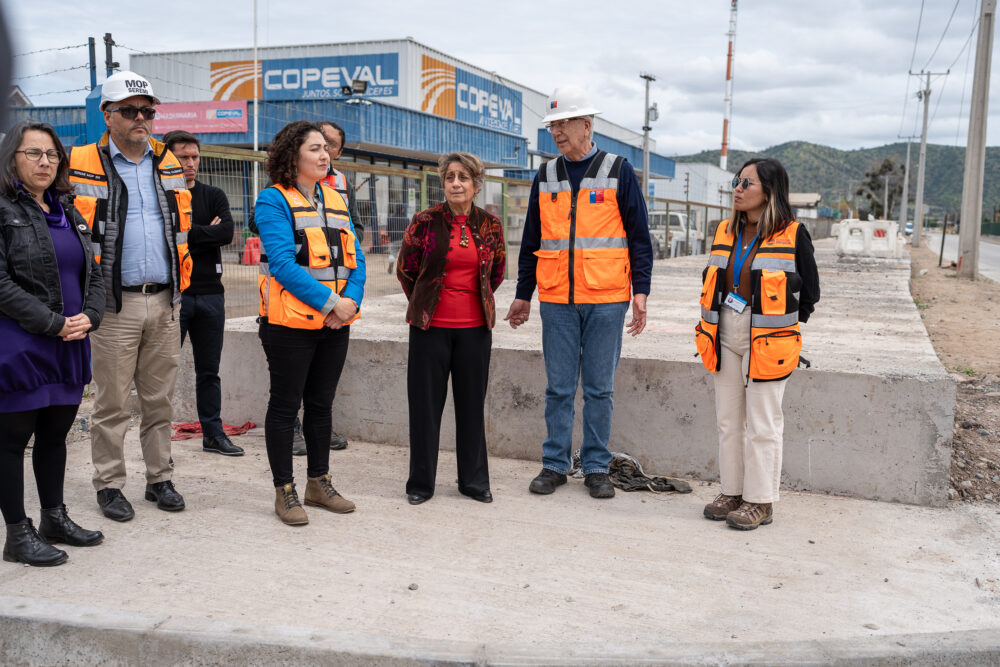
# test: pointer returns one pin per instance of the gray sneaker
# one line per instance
(298, 442)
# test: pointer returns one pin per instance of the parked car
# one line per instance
(659, 235)
(909, 229)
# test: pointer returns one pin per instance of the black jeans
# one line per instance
(305, 367)
(204, 317)
(464, 354)
(48, 456)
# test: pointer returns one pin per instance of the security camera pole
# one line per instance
(645, 141)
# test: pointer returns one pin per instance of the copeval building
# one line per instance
(417, 104)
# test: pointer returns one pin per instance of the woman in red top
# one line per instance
(451, 261)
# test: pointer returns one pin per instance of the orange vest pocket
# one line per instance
(605, 268)
(319, 249)
(552, 270)
(291, 312)
(347, 245)
(774, 354)
(708, 287)
(773, 292)
(187, 265)
(704, 338)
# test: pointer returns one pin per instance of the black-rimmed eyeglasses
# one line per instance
(35, 154)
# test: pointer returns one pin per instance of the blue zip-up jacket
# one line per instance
(277, 234)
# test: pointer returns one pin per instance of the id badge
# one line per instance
(735, 302)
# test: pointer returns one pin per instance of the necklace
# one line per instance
(464, 241)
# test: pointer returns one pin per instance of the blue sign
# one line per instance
(322, 78)
(486, 103)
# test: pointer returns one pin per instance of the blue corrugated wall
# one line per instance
(70, 123)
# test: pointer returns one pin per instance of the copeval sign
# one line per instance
(201, 117)
(322, 78)
(486, 103)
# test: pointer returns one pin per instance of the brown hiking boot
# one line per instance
(750, 515)
(287, 505)
(320, 493)
(721, 506)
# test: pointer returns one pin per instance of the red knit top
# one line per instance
(460, 305)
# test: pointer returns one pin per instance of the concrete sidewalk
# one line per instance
(562, 579)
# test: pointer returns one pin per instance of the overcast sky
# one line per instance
(833, 73)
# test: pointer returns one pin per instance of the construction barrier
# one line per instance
(869, 238)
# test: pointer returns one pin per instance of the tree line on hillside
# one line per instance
(856, 178)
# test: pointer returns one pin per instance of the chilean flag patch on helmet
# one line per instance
(553, 104)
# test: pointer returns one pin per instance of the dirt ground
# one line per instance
(963, 321)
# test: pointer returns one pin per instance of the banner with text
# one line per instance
(201, 117)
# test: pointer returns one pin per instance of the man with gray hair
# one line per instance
(586, 246)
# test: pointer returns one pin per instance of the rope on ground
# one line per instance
(627, 474)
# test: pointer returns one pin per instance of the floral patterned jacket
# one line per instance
(423, 258)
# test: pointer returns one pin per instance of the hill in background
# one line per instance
(835, 173)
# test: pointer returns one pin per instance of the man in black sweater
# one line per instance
(203, 303)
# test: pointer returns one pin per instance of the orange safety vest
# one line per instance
(775, 339)
(90, 181)
(324, 247)
(336, 180)
(583, 256)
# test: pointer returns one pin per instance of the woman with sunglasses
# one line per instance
(760, 282)
(51, 296)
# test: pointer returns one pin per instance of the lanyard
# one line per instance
(738, 259)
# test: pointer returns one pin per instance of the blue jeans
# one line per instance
(581, 343)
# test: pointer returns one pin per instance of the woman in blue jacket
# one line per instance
(312, 278)
(51, 296)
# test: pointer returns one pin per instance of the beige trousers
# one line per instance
(141, 344)
(749, 416)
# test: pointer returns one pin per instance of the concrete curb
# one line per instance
(35, 632)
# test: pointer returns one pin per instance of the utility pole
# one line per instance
(256, 94)
(728, 102)
(905, 200)
(645, 139)
(109, 64)
(93, 62)
(975, 149)
(885, 199)
(687, 213)
(918, 210)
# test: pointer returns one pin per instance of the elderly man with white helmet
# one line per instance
(131, 191)
(586, 246)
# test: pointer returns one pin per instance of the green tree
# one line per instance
(873, 187)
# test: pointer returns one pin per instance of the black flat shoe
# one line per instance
(220, 444)
(114, 505)
(482, 496)
(416, 498)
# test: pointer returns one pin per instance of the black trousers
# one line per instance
(48, 456)
(203, 316)
(305, 367)
(464, 354)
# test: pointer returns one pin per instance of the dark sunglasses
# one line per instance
(130, 113)
(746, 182)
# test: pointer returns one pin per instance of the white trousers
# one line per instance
(750, 420)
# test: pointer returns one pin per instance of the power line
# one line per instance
(946, 26)
(161, 56)
(58, 92)
(65, 69)
(58, 48)
(913, 56)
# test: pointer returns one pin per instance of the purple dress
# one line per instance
(37, 371)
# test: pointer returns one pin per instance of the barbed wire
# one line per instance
(65, 69)
(58, 92)
(164, 57)
(57, 48)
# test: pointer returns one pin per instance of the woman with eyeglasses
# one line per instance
(51, 296)
(760, 283)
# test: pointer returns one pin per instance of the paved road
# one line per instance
(989, 253)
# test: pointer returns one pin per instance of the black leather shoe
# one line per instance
(23, 545)
(298, 442)
(546, 482)
(165, 496)
(220, 444)
(56, 526)
(600, 485)
(416, 498)
(482, 496)
(114, 505)
(337, 441)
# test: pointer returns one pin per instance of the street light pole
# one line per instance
(645, 140)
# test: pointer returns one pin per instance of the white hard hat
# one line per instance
(569, 101)
(122, 85)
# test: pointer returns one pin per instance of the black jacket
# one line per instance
(30, 291)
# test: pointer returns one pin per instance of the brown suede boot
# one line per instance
(750, 515)
(287, 505)
(721, 506)
(320, 493)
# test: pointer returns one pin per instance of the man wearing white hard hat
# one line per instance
(132, 193)
(586, 247)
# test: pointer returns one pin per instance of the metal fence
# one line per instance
(387, 198)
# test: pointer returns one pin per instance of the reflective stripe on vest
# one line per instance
(328, 262)
(583, 252)
(90, 183)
